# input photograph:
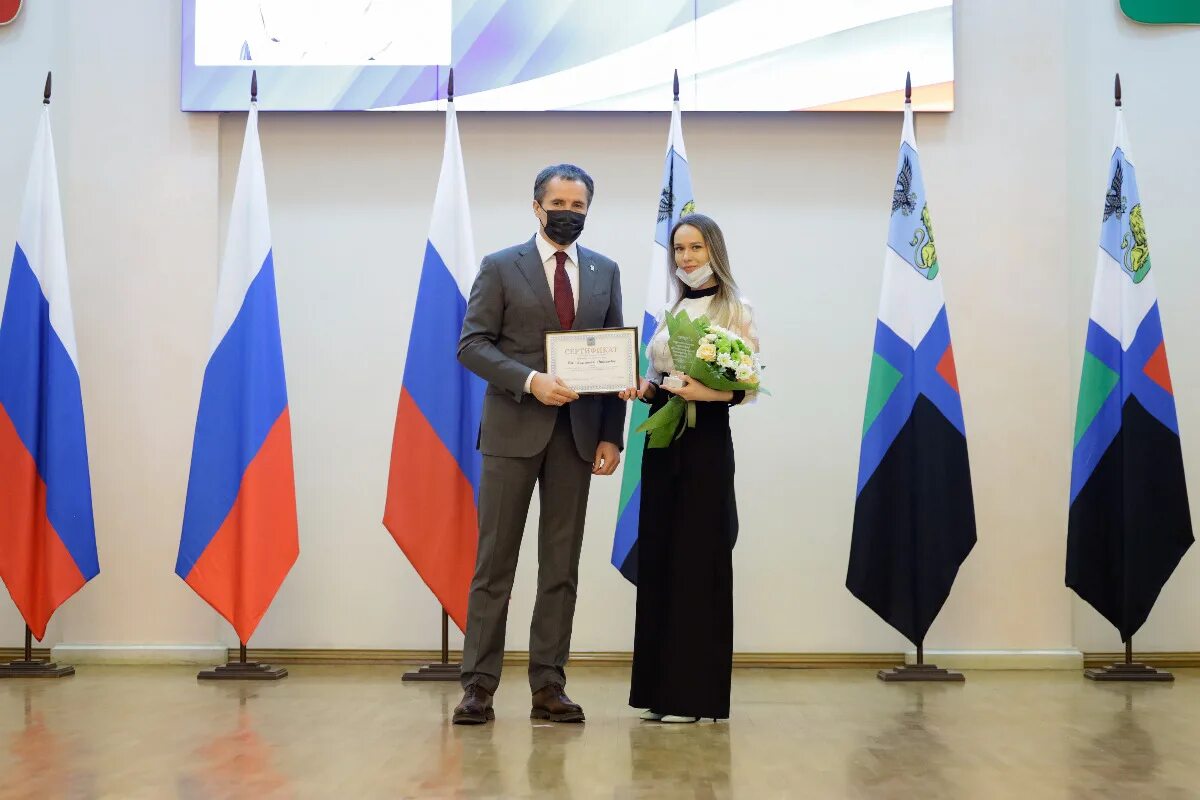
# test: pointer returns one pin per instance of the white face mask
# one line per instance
(697, 278)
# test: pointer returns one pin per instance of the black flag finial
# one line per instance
(675, 86)
(46, 92)
(254, 86)
(908, 87)
(1117, 89)
(450, 86)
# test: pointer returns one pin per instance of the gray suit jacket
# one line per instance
(503, 338)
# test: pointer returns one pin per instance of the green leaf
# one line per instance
(663, 424)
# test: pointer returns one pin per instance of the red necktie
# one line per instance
(564, 301)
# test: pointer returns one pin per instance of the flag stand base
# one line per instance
(1128, 670)
(30, 667)
(1133, 671)
(445, 671)
(35, 669)
(919, 671)
(434, 672)
(243, 670)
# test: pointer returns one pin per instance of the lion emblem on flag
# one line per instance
(1137, 251)
(924, 250)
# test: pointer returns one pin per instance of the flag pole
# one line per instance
(445, 637)
(438, 671)
(918, 671)
(1127, 670)
(243, 668)
(29, 667)
(442, 670)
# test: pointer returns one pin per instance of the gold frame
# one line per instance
(564, 333)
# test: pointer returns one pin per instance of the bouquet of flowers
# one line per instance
(715, 356)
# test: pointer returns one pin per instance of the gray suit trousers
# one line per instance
(505, 489)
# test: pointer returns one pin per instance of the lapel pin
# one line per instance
(592, 267)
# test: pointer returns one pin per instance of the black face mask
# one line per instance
(564, 227)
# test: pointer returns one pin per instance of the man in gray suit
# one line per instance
(535, 429)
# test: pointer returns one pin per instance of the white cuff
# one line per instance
(529, 382)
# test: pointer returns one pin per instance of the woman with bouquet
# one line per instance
(683, 639)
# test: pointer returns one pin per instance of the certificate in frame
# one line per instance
(596, 361)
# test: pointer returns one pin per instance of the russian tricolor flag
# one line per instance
(47, 532)
(433, 483)
(239, 525)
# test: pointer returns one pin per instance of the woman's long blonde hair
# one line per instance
(726, 308)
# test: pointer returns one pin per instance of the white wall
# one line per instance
(1015, 175)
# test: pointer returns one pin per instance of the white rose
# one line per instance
(747, 360)
(707, 352)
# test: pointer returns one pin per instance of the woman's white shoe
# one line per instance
(651, 716)
(674, 718)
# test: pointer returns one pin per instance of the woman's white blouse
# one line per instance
(659, 352)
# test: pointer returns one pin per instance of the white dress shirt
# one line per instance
(550, 264)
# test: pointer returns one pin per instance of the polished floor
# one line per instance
(325, 732)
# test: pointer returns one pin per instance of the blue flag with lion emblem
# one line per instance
(914, 516)
(674, 201)
(1129, 522)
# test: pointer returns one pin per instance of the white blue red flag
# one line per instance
(433, 482)
(239, 525)
(47, 532)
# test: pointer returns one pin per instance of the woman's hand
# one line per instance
(645, 392)
(696, 392)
